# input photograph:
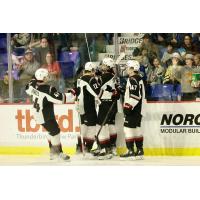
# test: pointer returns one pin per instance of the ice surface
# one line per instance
(79, 160)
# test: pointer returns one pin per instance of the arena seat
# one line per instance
(67, 56)
(3, 69)
(156, 91)
(177, 92)
(67, 69)
(178, 89)
(3, 43)
(161, 92)
(3, 58)
(3, 35)
(167, 91)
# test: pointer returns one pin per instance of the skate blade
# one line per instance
(58, 159)
(62, 160)
(139, 157)
(89, 156)
(127, 158)
(106, 157)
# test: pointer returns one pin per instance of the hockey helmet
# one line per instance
(108, 62)
(89, 66)
(41, 74)
(133, 64)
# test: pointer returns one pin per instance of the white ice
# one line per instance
(79, 160)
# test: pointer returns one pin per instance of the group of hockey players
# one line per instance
(98, 96)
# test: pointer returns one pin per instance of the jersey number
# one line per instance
(95, 86)
(133, 87)
(36, 105)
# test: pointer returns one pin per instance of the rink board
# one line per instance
(169, 129)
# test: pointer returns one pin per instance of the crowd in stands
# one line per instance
(168, 61)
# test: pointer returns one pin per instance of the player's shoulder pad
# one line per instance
(134, 79)
(86, 78)
(44, 88)
(92, 79)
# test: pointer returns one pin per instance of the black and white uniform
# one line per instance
(89, 89)
(43, 97)
(135, 97)
(108, 133)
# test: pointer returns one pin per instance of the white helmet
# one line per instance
(108, 62)
(41, 73)
(89, 66)
(133, 64)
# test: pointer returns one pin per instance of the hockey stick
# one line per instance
(81, 135)
(87, 47)
(104, 122)
(96, 142)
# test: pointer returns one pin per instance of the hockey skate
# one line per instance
(90, 155)
(139, 154)
(95, 152)
(104, 155)
(57, 154)
(130, 155)
(112, 151)
(59, 157)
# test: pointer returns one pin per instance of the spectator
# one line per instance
(42, 51)
(159, 38)
(156, 72)
(167, 55)
(53, 68)
(27, 70)
(169, 77)
(176, 39)
(184, 76)
(21, 40)
(196, 41)
(188, 47)
(141, 57)
(197, 60)
(144, 63)
(152, 49)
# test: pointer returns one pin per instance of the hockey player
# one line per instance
(88, 89)
(44, 97)
(133, 102)
(108, 95)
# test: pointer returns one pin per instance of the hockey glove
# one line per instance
(109, 88)
(127, 109)
(74, 91)
(115, 95)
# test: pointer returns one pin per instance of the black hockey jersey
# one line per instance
(89, 89)
(43, 97)
(108, 82)
(135, 92)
